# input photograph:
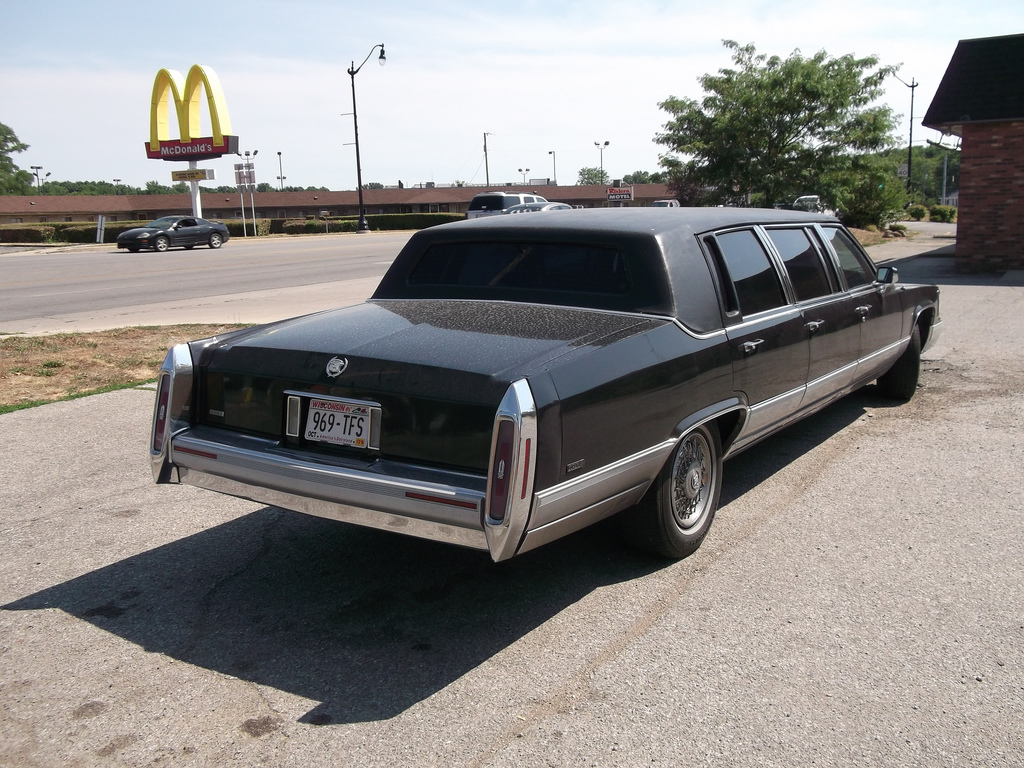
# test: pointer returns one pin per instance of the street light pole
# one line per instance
(601, 147)
(524, 171)
(280, 170)
(554, 167)
(39, 181)
(116, 182)
(362, 226)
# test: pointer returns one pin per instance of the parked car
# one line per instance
(534, 207)
(812, 204)
(174, 232)
(665, 204)
(517, 378)
(493, 203)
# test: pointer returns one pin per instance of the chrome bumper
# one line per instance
(436, 504)
(426, 502)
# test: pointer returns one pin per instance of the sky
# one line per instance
(538, 77)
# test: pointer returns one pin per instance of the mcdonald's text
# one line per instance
(197, 149)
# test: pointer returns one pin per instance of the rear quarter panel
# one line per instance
(631, 395)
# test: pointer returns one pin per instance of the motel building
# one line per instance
(425, 198)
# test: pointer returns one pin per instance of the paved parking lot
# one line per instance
(859, 601)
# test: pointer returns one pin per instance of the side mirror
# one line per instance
(888, 275)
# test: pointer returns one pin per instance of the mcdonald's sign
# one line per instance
(185, 92)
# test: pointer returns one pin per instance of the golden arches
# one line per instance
(185, 92)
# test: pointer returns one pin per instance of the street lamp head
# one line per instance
(382, 59)
(255, 152)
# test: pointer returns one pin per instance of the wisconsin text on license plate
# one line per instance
(341, 423)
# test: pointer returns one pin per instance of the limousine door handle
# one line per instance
(814, 325)
(749, 347)
(863, 310)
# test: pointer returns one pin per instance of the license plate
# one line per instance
(339, 422)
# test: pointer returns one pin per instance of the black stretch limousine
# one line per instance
(514, 379)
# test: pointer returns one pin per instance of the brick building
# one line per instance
(981, 100)
(33, 209)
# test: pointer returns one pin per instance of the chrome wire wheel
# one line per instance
(676, 513)
(693, 481)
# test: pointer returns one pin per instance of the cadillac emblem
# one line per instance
(336, 366)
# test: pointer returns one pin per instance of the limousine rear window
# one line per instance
(757, 283)
(563, 267)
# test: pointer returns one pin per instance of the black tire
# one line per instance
(900, 381)
(675, 515)
(216, 240)
(161, 244)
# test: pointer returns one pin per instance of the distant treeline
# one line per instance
(55, 188)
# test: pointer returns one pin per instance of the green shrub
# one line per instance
(398, 221)
(302, 227)
(943, 213)
(380, 222)
(82, 232)
(26, 233)
(898, 228)
(916, 212)
(236, 228)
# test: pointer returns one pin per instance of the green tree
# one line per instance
(13, 180)
(869, 192)
(87, 188)
(644, 177)
(932, 164)
(156, 188)
(776, 127)
(591, 176)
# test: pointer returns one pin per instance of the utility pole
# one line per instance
(487, 168)
(910, 149)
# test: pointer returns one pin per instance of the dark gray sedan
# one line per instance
(174, 232)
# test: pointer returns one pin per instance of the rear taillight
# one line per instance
(160, 417)
(510, 477)
(502, 471)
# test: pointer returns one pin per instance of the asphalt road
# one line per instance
(79, 288)
(859, 601)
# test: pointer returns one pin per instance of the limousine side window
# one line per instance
(803, 264)
(854, 266)
(750, 269)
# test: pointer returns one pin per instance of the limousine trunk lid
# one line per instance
(437, 370)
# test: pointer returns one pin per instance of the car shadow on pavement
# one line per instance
(366, 622)
(939, 268)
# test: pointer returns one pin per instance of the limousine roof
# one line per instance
(669, 274)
